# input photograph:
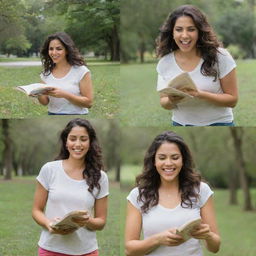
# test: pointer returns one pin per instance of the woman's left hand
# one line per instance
(83, 220)
(201, 232)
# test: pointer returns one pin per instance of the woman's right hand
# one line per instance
(170, 238)
(53, 230)
(175, 99)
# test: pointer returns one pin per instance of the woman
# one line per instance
(187, 43)
(169, 193)
(73, 182)
(65, 71)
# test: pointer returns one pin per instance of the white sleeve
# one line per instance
(226, 63)
(104, 186)
(133, 198)
(161, 83)
(82, 71)
(205, 193)
(44, 176)
(42, 77)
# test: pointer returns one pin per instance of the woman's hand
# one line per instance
(170, 238)
(83, 220)
(57, 93)
(175, 99)
(53, 230)
(201, 232)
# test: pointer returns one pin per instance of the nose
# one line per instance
(168, 161)
(77, 143)
(184, 33)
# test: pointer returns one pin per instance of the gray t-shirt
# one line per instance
(65, 195)
(159, 219)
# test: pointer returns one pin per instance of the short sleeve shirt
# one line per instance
(159, 219)
(70, 83)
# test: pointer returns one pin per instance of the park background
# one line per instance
(24, 25)
(234, 21)
(224, 156)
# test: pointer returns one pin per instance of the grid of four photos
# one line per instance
(153, 156)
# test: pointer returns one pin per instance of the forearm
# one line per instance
(81, 101)
(41, 219)
(223, 100)
(141, 247)
(213, 242)
(43, 99)
(95, 224)
(166, 103)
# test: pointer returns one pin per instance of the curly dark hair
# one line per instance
(149, 181)
(207, 43)
(73, 56)
(93, 158)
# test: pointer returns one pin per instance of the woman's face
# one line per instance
(168, 162)
(185, 34)
(57, 51)
(78, 143)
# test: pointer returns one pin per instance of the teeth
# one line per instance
(185, 42)
(77, 150)
(169, 170)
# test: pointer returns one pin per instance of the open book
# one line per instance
(66, 222)
(35, 89)
(188, 227)
(179, 85)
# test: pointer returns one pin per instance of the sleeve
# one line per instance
(104, 186)
(133, 198)
(161, 83)
(82, 71)
(44, 176)
(42, 77)
(205, 193)
(226, 63)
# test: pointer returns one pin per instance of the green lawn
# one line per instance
(140, 101)
(19, 233)
(237, 228)
(15, 104)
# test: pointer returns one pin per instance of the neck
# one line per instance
(64, 64)
(174, 185)
(77, 164)
(187, 55)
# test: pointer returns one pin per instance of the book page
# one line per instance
(188, 227)
(35, 89)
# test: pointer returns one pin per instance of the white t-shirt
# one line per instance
(65, 195)
(70, 83)
(198, 112)
(159, 219)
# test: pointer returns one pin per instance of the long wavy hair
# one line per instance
(73, 56)
(207, 43)
(149, 181)
(93, 158)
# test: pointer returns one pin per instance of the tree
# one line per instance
(7, 152)
(237, 135)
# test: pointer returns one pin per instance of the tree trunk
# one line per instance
(237, 135)
(118, 170)
(7, 152)
(114, 45)
(232, 184)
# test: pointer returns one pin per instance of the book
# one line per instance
(179, 85)
(35, 89)
(67, 221)
(187, 228)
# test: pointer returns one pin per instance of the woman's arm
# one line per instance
(98, 221)
(208, 230)
(86, 98)
(43, 99)
(169, 102)
(230, 93)
(40, 199)
(136, 247)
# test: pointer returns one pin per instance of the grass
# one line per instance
(15, 104)
(19, 234)
(140, 101)
(237, 228)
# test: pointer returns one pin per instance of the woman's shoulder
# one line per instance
(223, 52)
(164, 63)
(81, 68)
(52, 164)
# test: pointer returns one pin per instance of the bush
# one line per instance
(236, 51)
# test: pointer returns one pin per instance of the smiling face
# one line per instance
(78, 143)
(57, 51)
(185, 34)
(168, 162)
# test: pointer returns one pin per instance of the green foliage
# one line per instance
(19, 233)
(236, 51)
